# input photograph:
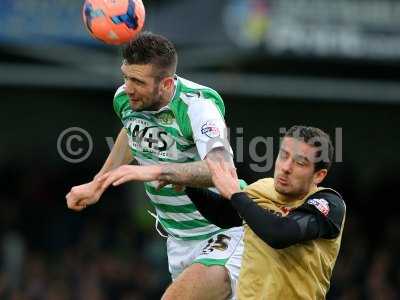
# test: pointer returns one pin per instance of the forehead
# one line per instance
(298, 147)
(137, 70)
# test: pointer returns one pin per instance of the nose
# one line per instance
(287, 166)
(129, 87)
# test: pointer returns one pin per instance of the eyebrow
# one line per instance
(296, 156)
(284, 150)
(133, 78)
(301, 157)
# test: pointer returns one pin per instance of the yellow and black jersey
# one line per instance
(290, 246)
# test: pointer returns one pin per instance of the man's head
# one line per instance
(148, 68)
(305, 156)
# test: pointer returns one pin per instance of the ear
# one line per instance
(319, 176)
(167, 83)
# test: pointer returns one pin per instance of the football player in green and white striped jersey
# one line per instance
(170, 125)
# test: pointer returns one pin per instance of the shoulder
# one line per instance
(260, 182)
(120, 91)
(194, 94)
(329, 208)
(260, 187)
(120, 101)
(328, 202)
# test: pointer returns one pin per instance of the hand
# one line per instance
(83, 195)
(224, 177)
(126, 173)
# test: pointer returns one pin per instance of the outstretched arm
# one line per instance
(120, 154)
(195, 174)
(215, 208)
(89, 193)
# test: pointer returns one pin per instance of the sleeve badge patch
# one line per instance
(321, 204)
(210, 129)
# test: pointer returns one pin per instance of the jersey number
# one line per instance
(220, 243)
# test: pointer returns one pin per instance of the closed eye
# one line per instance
(301, 160)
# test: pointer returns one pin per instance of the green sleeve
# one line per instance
(242, 184)
(120, 103)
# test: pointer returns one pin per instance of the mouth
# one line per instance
(134, 100)
(282, 180)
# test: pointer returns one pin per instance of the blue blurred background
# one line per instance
(330, 64)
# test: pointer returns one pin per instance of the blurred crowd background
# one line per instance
(330, 64)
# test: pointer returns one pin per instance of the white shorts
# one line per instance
(223, 249)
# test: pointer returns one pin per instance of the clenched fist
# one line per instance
(83, 195)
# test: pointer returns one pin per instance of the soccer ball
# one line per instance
(113, 21)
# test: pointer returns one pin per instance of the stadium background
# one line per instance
(331, 64)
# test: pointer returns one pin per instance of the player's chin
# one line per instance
(282, 188)
(136, 105)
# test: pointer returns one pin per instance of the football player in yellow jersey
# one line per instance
(293, 227)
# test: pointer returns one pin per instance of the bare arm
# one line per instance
(89, 193)
(120, 154)
(195, 174)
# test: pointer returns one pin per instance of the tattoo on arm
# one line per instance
(195, 174)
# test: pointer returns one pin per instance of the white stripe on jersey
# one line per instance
(177, 200)
(193, 232)
(180, 216)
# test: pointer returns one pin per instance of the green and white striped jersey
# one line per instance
(183, 131)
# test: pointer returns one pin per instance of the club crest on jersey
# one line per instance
(321, 204)
(166, 117)
(210, 129)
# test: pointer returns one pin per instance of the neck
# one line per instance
(290, 198)
(285, 198)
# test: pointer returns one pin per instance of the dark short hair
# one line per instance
(315, 137)
(150, 48)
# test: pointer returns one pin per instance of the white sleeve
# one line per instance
(208, 126)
